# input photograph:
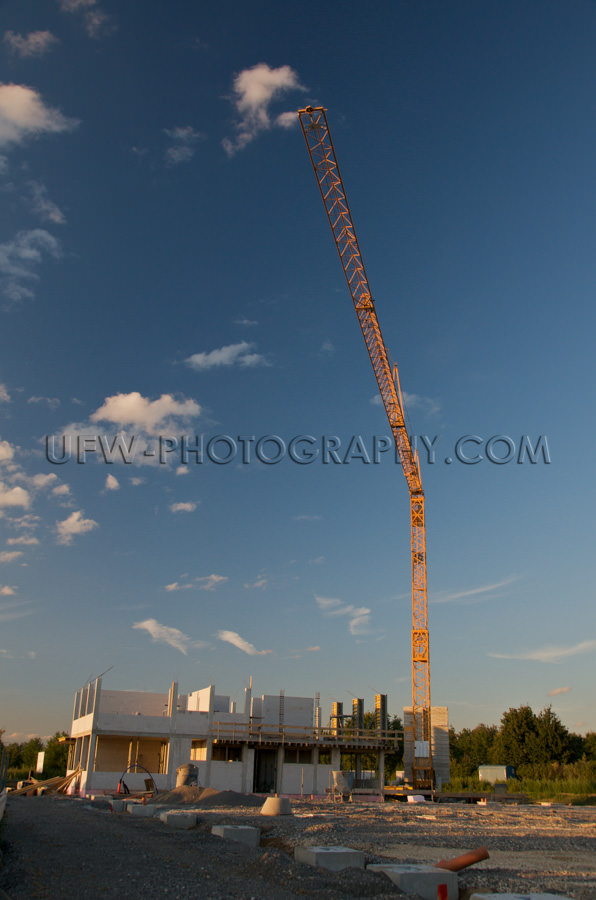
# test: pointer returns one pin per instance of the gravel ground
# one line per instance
(55, 847)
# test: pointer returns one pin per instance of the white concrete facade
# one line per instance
(271, 745)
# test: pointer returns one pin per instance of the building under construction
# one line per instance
(273, 743)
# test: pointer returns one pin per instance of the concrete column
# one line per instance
(381, 768)
(279, 780)
(335, 759)
(315, 769)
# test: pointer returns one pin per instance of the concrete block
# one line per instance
(277, 806)
(421, 880)
(178, 818)
(118, 806)
(143, 812)
(244, 834)
(520, 896)
(333, 858)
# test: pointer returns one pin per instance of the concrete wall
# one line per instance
(297, 711)
(439, 718)
(225, 776)
(132, 702)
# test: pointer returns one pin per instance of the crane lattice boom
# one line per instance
(322, 154)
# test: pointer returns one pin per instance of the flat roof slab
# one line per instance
(244, 834)
(422, 880)
(333, 858)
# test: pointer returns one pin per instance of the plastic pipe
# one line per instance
(462, 862)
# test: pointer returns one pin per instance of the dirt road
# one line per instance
(65, 848)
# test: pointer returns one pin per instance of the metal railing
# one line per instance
(242, 732)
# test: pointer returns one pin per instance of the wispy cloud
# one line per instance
(183, 141)
(556, 691)
(75, 524)
(164, 634)
(20, 259)
(358, 616)
(210, 582)
(473, 595)
(183, 506)
(43, 206)
(246, 323)
(51, 402)
(259, 583)
(240, 354)
(306, 518)
(427, 405)
(232, 637)
(95, 20)
(23, 114)
(550, 653)
(14, 609)
(254, 91)
(176, 586)
(4, 395)
(112, 483)
(8, 556)
(36, 43)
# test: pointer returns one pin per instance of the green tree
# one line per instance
(56, 756)
(590, 745)
(30, 751)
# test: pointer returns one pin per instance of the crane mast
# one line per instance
(322, 155)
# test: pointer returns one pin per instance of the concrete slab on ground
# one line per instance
(178, 818)
(422, 880)
(244, 834)
(520, 896)
(142, 811)
(333, 858)
(118, 806)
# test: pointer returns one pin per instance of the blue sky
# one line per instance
(166, 270)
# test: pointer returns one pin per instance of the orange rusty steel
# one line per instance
(463, 861)
(322, 155)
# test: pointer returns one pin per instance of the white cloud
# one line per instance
(176, 586)
(253, 92)
(4, 395)
(210, 582)
(16, 496)
(43, 480)
(182, 470)
(473, 595)
(23, 114)
(183, 147)
(137, 481)
(112, 483)
(232, 637)
(23, 541)
(7, 556)
(556, 691)
(52, 402)
(550, 654)
(259, 583)
(231, 355)
(183, 506)
(359, 616)
(62, 490)
(73, 525)
(36, 43)
(7, 591)
(246, 323)
(6, 452)
(140, 412)
(19, 259)
(163, 634)
(95, 20)
(43, 206)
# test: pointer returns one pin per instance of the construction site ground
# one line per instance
(60, 847)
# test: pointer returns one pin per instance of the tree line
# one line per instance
(537, 744)
(22, 757)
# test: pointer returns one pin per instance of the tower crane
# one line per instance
(322, 155)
